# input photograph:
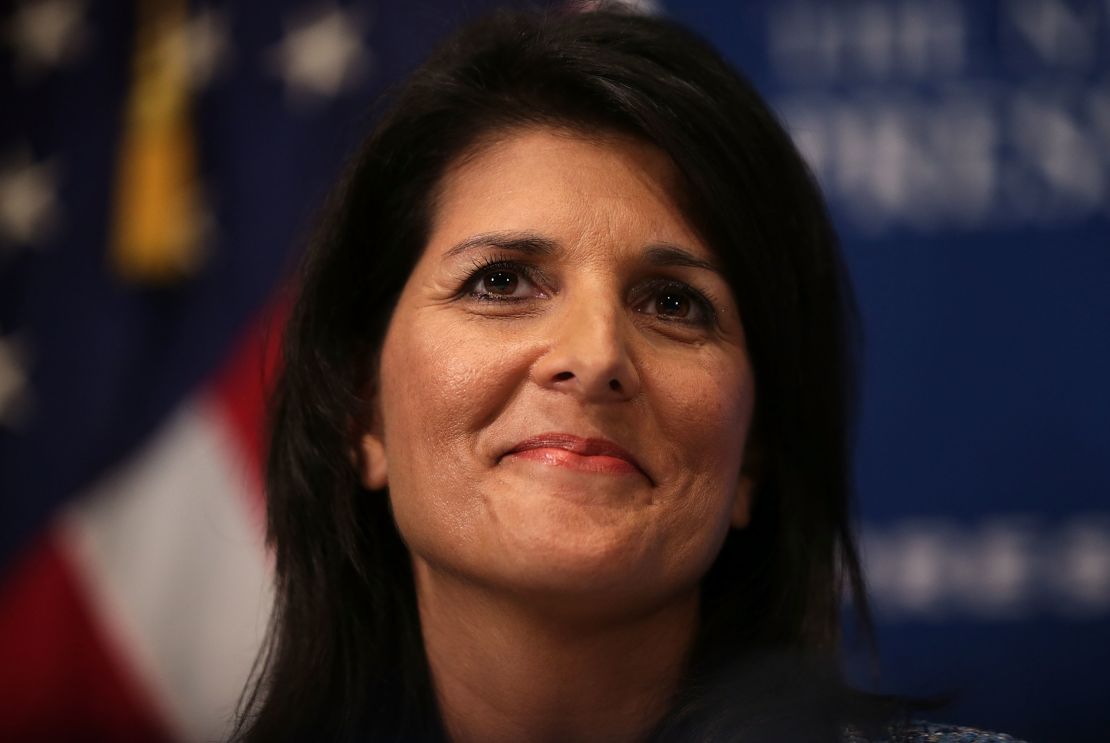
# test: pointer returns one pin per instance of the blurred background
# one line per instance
(161, 163)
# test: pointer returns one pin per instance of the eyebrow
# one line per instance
(527, 243)
(530, 243)
(664, 254)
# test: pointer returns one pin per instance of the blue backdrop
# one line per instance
(964, 148)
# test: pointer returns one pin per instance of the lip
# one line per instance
(578, 453)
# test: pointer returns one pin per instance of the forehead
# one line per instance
(575, 188)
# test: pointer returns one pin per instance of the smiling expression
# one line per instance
(564, 394)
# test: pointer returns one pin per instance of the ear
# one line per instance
(368, 453)
(750, 474)
(742, 505)
(371, 462)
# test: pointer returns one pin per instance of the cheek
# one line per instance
(708, 410)
(440, 384)
(706, 418)
(445, 376)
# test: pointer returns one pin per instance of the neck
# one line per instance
(504, 670)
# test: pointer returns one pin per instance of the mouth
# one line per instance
(595, 455)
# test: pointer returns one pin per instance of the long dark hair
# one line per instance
(345, 657)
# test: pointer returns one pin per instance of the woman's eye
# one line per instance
(672, 305)
(501, 282)
(676, 302)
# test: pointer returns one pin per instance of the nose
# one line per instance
(588, 356)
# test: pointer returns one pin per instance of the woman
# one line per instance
(560, 446)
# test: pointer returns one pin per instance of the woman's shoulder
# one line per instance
(931, 732)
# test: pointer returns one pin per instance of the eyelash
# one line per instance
(703, 303)
(486, 265)
(700, 300)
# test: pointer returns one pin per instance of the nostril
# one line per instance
(563, 376)
(614, 385)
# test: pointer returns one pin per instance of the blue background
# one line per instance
(969, 176)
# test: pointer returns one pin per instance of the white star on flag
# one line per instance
(14, 398)
(28, 206)
(45, 34)
(205, 38)
(321, 55)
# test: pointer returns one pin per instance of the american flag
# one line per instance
(160, 164)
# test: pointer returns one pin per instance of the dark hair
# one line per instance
(345, 656)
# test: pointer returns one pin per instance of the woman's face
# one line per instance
(564, 394)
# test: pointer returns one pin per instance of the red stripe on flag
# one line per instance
(59, 679)
(243, 385)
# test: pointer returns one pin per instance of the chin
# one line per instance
(572, 536)
(565, 553)
(576, 566)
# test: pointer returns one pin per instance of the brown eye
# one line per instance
(500, 282)
(671, 304)
(674, 301)
(503, 281)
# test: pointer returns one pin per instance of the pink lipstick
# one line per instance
(577, 453)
